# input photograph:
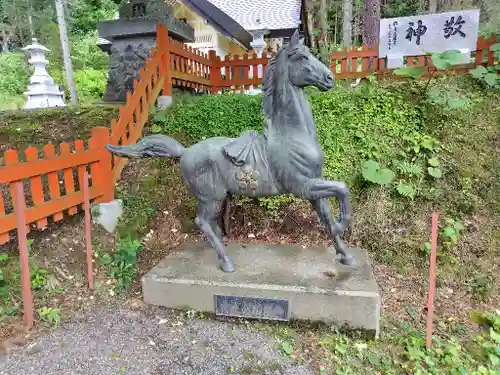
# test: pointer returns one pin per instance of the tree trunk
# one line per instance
(5, 40)
(371, 22)
(30, 20)
(309, 12)
(66, 51)
(336, 26)
(323, 22)
(346, 22)
(433, 4)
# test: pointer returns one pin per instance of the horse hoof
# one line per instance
(348, 260)
(227, 265)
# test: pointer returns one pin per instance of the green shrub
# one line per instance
(213, 115)
(86, 54)
(352, 125)
(90, 84)
(14, 73)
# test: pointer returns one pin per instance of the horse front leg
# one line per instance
(318, 191)
(322, 208)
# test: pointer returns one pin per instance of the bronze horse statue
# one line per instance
(285, 158)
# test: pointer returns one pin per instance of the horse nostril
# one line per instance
(329, 77)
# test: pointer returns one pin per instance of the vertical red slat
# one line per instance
(36, 185)
(479, 57)
(354, 64)
(12, 158)
(80, 147)
(4, 237)
(246, 70)
(53, 179)
(343, 63)
(69, 184)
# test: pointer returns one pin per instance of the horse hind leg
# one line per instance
(206, 220)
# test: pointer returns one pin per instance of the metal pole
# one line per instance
(66, 51)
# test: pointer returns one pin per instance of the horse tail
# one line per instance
(150, 146)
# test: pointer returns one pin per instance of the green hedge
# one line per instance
(353, 125)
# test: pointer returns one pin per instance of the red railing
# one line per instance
(361, 62)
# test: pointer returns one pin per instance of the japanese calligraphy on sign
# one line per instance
(418, 35)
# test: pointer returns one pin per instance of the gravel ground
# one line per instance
(113, 341)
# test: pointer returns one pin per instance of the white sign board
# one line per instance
(418, 35)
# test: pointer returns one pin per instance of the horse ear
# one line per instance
(295, 39)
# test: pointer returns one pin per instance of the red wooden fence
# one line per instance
(354, 62)
(49, 182)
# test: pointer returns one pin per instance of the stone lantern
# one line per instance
(42, 92)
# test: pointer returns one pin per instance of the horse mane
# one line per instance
(268, 85)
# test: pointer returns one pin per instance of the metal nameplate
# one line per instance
(249, 307)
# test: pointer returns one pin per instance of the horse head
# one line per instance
(304, 69)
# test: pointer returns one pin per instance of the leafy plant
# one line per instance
(410, 169)
(3, 258)
(372, 172)
(122, 263)
(410, 71)
(406, 190)
(50, 315)
(286, 348)
(489, 75)
(481, 285)
(489, 340)
(450, 233)
(442, 61)
(448, 237)
(39, 277)
(434, 169)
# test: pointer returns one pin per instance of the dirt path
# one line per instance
(126, 340)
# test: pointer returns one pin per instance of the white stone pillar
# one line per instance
(42, 92)
(258, 44)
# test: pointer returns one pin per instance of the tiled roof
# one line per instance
(273, 14)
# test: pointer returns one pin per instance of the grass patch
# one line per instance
(20, 129)
(400, 350)
(43, 285)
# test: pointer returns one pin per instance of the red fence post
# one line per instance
(432, 280)
(104, 176)
(163, 48)
(215, 72)
(20, 207)
(88, 229)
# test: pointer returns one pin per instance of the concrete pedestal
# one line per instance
(310, 283)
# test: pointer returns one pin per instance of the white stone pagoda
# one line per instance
(42, 92)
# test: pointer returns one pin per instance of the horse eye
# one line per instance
(304, 57)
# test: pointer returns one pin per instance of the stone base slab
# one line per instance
(315, 285)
